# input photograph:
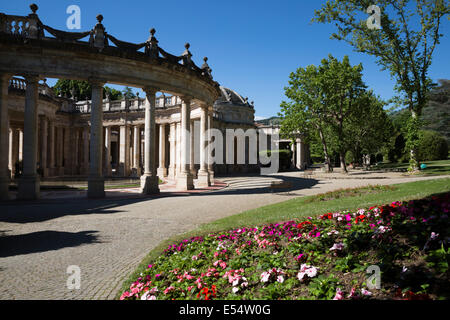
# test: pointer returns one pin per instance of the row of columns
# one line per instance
(96, 142)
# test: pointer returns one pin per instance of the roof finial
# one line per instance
(34, 8)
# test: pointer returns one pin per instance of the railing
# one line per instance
(135, 104)
(32, 27)
(20, 84)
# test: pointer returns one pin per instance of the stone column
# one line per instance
(76, 151)
(300, 154)
(192, 168)
(203, 174)
(44, 137)
(68, 150)
(59, 151)
(96, 182)
(51, 141)
(172, 156)
(210, 148)
(124, 153)
(185, 180)
(178, 149)
(10, 152)
(162, 170)
(86, 150)
(20, 144)
(150, 180)
(4, 137)
(108, 169)
(29, 186)
(14, 146)
(137, 150)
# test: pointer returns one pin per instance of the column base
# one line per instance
(162, 172)
(185, 181)
(149, 184)
(4, 189)
(96, 188)
(136, 172)
(203, 179)
(171, 173)
(60, 171)
(29, 188)
(211, 177)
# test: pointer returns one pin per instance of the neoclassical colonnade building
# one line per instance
(44, 136)
(26, 51)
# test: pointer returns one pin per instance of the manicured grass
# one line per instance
(438, 167)
(299, 207)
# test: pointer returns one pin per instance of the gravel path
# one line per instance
(108, 238)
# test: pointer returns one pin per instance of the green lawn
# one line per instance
(302, 206)
(438, 167)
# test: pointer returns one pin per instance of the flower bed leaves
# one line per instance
(325, 257)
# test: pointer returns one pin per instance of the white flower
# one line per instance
(148, 296)
(434, 235)
(280, 279)
(337, 246)
(366, 292)
(265, 276)
(309, 271)
(235, 289)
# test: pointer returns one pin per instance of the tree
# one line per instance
(112, 93)
(406, 51)
(344, 91)
(81, 90)
(323, 99)
(128, 93)
(303, 113)
(368, 128)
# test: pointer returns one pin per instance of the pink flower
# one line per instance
(339, 294)
(366, 292)
(306, 270)
(169, 289)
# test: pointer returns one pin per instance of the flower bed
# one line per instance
(325, 257)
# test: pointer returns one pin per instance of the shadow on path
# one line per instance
(44, 210)
(43, 241)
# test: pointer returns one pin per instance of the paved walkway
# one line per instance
(108, 238)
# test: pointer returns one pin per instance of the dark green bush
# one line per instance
(432, 146)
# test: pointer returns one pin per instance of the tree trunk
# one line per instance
(342, 160)
(414, 164)
(328, 166)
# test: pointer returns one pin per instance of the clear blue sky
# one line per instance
(252, 45)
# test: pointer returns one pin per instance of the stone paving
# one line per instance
(108, 238)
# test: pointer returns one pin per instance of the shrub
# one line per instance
(432, 146)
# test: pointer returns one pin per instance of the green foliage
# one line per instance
(402, 46)
(323, 287)
(432, 146)
(113, 93)
(82, 90)
(128, 93)
(330, 104)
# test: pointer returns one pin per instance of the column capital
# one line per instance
(96, 82)
(150, 90)
(186, 99)
(31, 78)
